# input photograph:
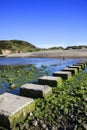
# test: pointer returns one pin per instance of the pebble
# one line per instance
(85, 99)
(12, 85)
(44, 126)
(85, 126)
(34, 123)
(54, 128)
(31, 114)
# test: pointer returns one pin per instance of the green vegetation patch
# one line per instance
(65, 108)
(17, 46)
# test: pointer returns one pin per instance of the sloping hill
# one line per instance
(13, 46)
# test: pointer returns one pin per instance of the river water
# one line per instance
(51, 65)
(38, 61)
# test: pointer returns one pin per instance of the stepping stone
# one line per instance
(35, 91)
(63, 74)
(14, 109)
(78, 67)
(72, 70)
(50, 80)
(84, 62)
(83, 66)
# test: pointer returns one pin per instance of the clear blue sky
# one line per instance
(44, 23)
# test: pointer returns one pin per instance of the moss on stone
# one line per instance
(59, 81)
(83, 65)
(21, 114)
(47, 94)
(76, 71)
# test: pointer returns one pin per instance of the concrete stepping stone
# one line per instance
(83, 66)
(50, 80)
(83, 63)
(14, 109)
(78, 67)
(72, 70)
(63, 74)
(35, 90)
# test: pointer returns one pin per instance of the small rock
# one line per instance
(31, 114)
(41, 122)
(26, 127)
(79, 121)
(85, 99)
(15, 128)
(46, 129)
(44, 126)
(34, 123)
(54, 128)
(85, 126)
(85, 113)
(12, 85)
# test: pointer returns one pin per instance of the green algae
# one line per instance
(12, 77)
(21, 115)
(59, 81)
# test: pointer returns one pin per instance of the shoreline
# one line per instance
(74, 53)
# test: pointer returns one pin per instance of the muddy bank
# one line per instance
(74, 53)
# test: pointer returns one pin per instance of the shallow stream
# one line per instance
(17, 71)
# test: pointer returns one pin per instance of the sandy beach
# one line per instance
(73, 53)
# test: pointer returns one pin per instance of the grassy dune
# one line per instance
(17, 46)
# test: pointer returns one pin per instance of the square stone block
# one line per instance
(83, 64)
(35, 90)
(72, 70)
(50, 80)
(14, 109)
(63, 74)
(78, 67)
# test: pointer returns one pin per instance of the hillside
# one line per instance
(13, 46)
(76, 47)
